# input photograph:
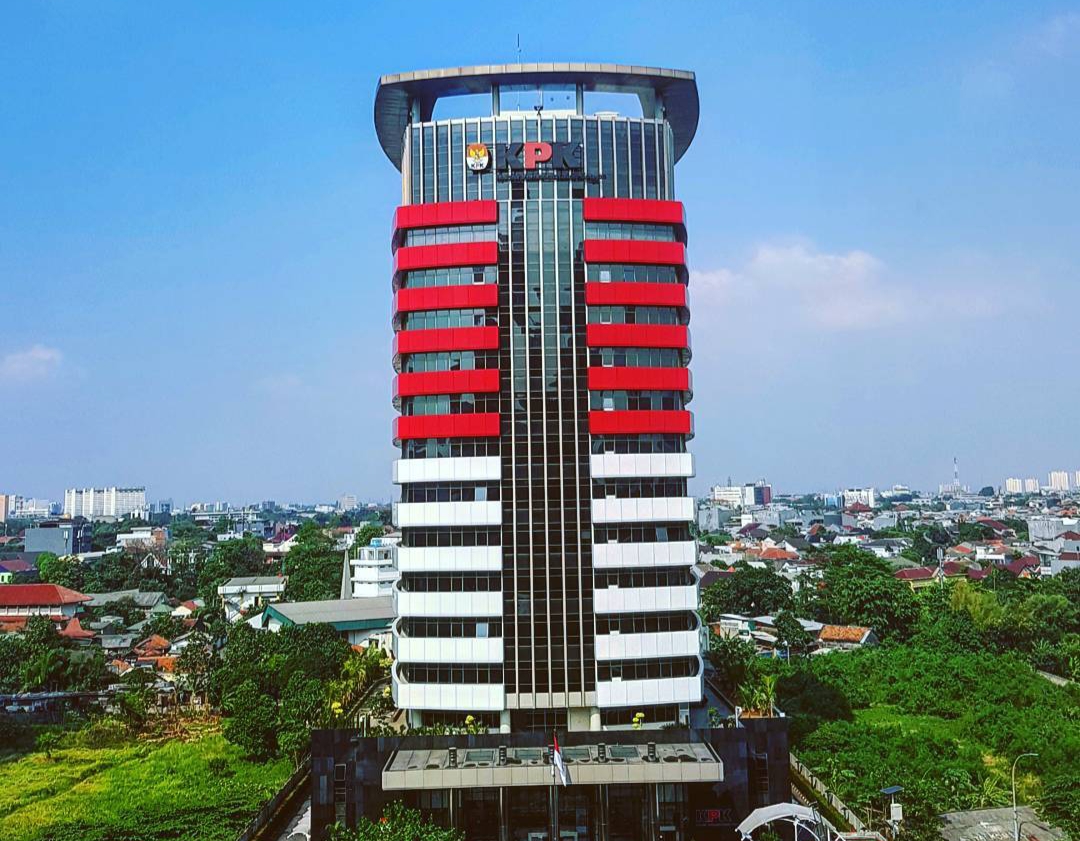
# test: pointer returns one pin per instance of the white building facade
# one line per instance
(103, 503)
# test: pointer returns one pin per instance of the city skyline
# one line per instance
(214, 270)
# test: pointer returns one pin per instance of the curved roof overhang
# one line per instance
(398, 94)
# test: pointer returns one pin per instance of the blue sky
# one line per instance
(194, 212)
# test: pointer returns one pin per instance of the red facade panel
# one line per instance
(636, 335)
(446, 426)
(485, 381)
(633, 423)
(446, 338)
(634, 210)
(475, 296)
(636, 294)
(642, 252)
(639, 379)
(411, 257)
(446, 213)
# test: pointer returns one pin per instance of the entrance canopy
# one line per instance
(481, 767)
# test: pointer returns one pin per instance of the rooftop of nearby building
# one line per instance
(38, 595)
(341, 613)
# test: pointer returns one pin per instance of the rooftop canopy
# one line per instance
(403, 96)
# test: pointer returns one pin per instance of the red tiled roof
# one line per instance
(154, 642)
(775, 554)
(74, 630)
(858, 508)
(842, 633)
(1021, 565)
(914, 574)
(38, 595)
(977, 574)
(1070, 535)
(17, 565)
(961, 549)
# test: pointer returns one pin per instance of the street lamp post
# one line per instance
(1016, 815)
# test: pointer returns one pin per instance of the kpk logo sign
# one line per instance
(477, 157)
(532, 161)
(528, 156)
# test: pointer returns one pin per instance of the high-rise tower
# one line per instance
(541, 350)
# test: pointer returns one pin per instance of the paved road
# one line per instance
(299, 826)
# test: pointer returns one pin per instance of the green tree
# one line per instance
(858, 588)
(303, 707)
(734, 659)
(229, 559)
(751, 591)
(313, 566)
(398, 823)
(791, 635)
(367, 533)
(252, 722)
(66, 571)
(196, 665)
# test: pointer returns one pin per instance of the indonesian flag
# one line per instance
(558, 764)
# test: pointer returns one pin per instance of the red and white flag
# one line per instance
(558, 764)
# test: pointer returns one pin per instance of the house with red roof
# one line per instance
(846, 637)
(18, 602)
(919, 577)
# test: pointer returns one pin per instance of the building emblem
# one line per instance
(477, 157)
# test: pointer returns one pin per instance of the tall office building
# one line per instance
(1031, 486)
(1059, 480)
(541, 350)
(103, 503)
(7, 506)
(1014, 486)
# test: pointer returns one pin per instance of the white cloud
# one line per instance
(845, 291)
(37, 362)
(796, 284)
(1059, 36)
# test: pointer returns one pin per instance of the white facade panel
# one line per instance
(464, 469)
(614, 510)
(669, 690)
(450, 559)
(430, 514)
(614, 555)
(630, 465)
(636, 646)
(457, 650)
(447, 604)
(480, 697)
(644, 599)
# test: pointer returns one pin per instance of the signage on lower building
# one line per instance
(714, 817)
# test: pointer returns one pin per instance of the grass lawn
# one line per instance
(135, 792)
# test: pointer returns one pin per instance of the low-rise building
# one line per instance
(360, 621)
(240, 596)
(371, 570)
(61, 537)
(18, 602)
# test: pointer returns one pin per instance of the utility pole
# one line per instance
(1016, 815)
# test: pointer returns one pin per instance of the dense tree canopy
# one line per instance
(313, 566)
(750, 591)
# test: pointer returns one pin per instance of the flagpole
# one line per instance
(555, 787)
